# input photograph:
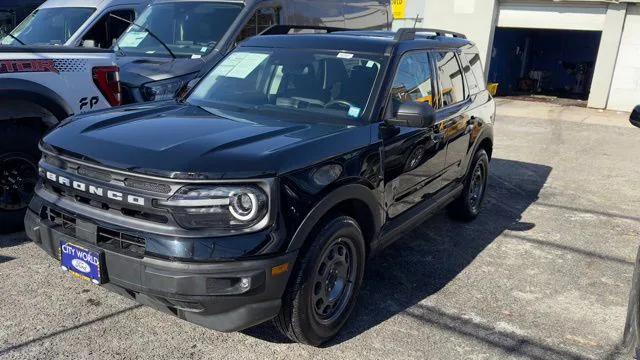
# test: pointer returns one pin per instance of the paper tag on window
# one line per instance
(354, 111)
(240, 65)
(132, 39)
(345, 56)
(196, 56)
(204, 49)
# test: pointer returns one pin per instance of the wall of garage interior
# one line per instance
(616, 79)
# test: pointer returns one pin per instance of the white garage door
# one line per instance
(551, 15)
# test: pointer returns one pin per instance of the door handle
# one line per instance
(437, 137)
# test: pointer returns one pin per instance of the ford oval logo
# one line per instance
(81, 265)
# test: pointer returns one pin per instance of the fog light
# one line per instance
(245, 283)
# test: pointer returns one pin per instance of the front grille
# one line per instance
(107, 239)
(148, 186)
(121, 242)
(66, 222)
(94, 174)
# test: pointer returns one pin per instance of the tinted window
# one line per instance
(450, 76)
(189, 29)
(51, 26)
(297, 83)
(474, 74)
(261, 20)
(413, 80)
(108, 29)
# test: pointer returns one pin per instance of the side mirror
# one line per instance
(415, 115)
(186, 88)
(635, 116)
(88, 43)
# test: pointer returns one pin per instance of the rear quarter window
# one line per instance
(473, 72)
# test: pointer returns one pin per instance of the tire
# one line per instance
(18, 171)
(468, 205)
(317, 303)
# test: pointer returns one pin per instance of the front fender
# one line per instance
(331, 200)
(25, 90)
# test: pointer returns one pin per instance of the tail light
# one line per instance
(107, 79)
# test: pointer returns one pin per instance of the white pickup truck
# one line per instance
(39, 87)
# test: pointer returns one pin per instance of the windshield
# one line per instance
(49, 26)
(299, 84)
(7, 20)
(190, 29)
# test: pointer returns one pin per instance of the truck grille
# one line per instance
(117, 241)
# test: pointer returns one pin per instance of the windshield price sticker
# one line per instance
(240, 65)
(345, 56)
(133, 39)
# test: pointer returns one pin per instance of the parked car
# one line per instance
(88, 23)
(12, 12)
(39, 87)
(263, 192)
(175, 40)
(635, 116)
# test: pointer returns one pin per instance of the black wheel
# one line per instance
(18, 172)
(325, 284)
(468, 205)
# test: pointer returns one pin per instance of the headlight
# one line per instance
(165, 89)
(219, 207)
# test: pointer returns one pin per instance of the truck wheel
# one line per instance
(18, 172)
(325, 284)
(468, 205)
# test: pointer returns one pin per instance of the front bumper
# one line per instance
(208, 294)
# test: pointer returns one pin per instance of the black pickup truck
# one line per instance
(261, 194)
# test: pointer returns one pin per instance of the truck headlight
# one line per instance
(164, 89)
(221, 207)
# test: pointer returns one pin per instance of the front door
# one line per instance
(414, 158)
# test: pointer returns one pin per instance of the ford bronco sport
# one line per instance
(261, 194)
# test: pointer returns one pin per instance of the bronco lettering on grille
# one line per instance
(95, 190)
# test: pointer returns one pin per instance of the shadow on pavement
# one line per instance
(432, 255)
(9, 240)
(11, 348)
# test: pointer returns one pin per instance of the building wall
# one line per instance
(625, 88)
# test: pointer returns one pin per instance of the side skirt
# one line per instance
(394, 229)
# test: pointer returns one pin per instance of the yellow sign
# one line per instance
(399, 8)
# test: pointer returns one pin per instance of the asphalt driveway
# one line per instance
(544, 273)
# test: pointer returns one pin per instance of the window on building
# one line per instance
(108, 29)
(413, 81)
(259, 22)
(450, 76)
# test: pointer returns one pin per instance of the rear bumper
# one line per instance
(209, 294)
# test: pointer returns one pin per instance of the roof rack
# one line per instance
(286, 29)
(410, 33)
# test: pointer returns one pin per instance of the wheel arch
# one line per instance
(29, 91)
(353, 200)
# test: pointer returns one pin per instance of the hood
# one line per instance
(138, 71)
(172, 140)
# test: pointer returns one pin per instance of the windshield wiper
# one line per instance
(148, 32)
(15, 38)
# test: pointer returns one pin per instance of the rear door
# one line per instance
(453, 118)
(413, 157)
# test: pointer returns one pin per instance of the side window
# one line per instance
(413, 81)
(450, 76)
(260, 21)
(108, 29)
(473, 72)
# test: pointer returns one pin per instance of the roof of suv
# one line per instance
(358, 41)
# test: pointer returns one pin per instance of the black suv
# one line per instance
(262, 193)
